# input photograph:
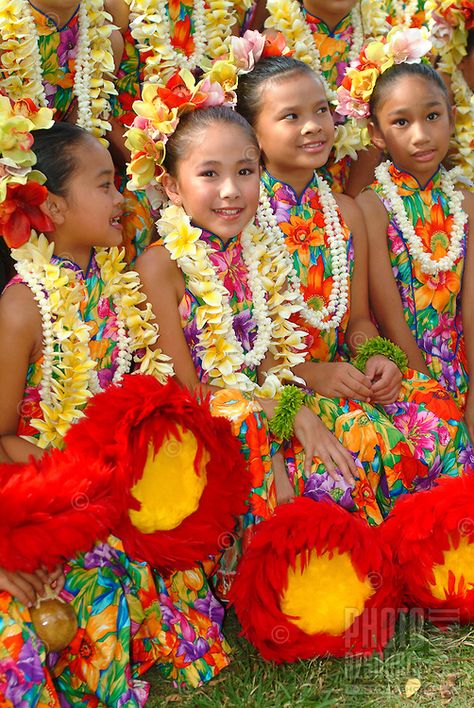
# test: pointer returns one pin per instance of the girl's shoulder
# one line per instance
(352, 212)
(19, 313)
(156, 261)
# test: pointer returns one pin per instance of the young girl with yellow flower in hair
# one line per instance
(72, 323)
(451, 26)
(419, 226)
(390, 425)
(328, 36)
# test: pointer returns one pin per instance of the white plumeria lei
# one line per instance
(330, 316)
(414, 243)
(287, 17)
(68, 377)
(150, 28)
(20, 55)
(223, 356)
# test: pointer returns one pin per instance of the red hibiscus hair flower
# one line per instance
(20, 212)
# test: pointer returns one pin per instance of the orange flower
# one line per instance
(436, 231)
(95, 647)
(301, 234)
(182, 37)
(437, 289)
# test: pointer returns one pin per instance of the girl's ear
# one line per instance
(170, 185)
(55, 207)
(376, 136)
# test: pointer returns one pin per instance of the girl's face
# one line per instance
(414, 124)
(330, 11)
(217, 182)
(91, 210)
(294, 127)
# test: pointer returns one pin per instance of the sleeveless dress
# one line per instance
(334, 47)
(58, 49)
(130, 618)
(431, 303)
(248, 421)
(402, 447)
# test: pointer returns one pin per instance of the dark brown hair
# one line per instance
(199, 120)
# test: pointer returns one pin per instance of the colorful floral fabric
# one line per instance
(418, 18)
(334, 47)
(247, 419)
(399, 448)
(129, 617)
(431, 303)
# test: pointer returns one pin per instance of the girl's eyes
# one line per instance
(290, 116)
(432, 116)
(106, 185)
(246, 171)
(208, 173)
(401, 122)
(323, 109)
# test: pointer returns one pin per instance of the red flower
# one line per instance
(182, 37)
(275, 45)
(20, 213)
(177, 95)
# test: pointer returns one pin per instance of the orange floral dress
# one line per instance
(431, 303)
(399, 448)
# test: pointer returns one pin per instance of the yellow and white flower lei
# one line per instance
(403, 11)
(463, 138)
(286, 16)
(67, 370)
(451, 52)
(150, 27)
(273, 304)
(21, 59)
(330, 316)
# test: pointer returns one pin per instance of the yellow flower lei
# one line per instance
(150, 27)
(222, 358)
(450, 54)
(67, 366)
(21, 60)
(286, 17)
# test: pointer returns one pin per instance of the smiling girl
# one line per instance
(380, 418)
(71, 324)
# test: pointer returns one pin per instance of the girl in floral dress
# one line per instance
(328, 36)
(392, 427)
(129, 617)
(419, 227)
(52, 68)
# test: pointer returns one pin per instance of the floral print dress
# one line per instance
(247, 419)
(398, 448)
(58, 49)
(334, 47)
(431, 303)
(129, 617)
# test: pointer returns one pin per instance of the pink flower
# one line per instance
(409, 45)
(215, 95)
(441, 31)
(140, 122)
(247, 50)
(350, 106)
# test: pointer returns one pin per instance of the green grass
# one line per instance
(442, 661)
